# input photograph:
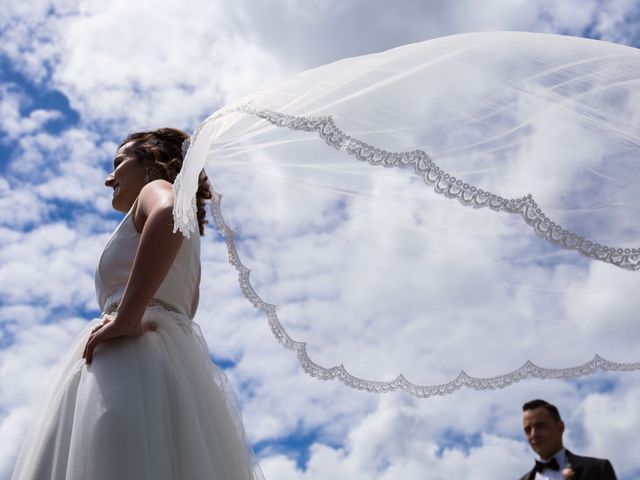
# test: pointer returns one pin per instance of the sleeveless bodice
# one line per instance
(179, 286)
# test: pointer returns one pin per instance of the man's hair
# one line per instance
(533, 404)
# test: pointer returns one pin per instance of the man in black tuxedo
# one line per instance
(544, 428)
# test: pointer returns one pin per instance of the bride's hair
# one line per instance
(160, 152)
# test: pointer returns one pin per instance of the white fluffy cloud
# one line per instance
(124, 66)
(448, 438)
(25, 366)
(12, 123)
(139, 65)
(150, 64)
(52, 264)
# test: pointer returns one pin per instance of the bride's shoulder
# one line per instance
(155, 197)
(156, 194)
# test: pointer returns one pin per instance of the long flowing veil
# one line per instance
(461, 212)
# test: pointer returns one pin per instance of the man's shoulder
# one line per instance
(592, 467)
(589, 463)
(580, 459)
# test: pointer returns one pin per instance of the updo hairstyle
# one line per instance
(160, 152)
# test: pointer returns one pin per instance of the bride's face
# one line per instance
(127, 179)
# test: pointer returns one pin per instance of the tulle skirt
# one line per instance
(148, 407)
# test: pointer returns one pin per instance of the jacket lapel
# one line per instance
(576, 465)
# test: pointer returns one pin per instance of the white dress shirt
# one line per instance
(547, 473)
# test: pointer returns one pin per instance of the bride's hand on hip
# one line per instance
(108, 329)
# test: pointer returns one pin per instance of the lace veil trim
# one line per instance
(442, 183)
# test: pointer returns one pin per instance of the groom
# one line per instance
(543, 428)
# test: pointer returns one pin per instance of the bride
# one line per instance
(137, 396)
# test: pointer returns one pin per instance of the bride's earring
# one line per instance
(147, 179)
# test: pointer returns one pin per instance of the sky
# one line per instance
(76, 77)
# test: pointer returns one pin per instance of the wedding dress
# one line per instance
(151, 407)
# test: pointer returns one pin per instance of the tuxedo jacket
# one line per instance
(585, 468)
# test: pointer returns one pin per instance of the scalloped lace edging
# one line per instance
(451, 187)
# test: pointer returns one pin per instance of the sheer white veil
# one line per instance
(458, 212)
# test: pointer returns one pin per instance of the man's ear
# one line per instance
(561, 425)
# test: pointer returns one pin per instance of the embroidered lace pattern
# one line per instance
(183, 322)
(451, 187)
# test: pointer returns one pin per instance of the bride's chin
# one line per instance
(116, 204)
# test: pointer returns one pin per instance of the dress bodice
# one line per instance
(112, 273)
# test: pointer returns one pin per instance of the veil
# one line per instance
(461, 212)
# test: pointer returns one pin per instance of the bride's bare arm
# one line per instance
(157, 249)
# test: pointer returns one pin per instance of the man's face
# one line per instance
(543, 432)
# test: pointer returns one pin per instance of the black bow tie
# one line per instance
(551, 464)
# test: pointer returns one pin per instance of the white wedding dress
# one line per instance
(151, 407)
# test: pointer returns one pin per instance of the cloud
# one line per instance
(122, 75)
(52, 264)
(179, 71)
(19, 206)
(609, 423)
(124, 67)
(12, 123)
(24, 367)
(312, 34)
(447, 438)
(614, 21)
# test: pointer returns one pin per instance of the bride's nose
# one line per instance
(109, 180)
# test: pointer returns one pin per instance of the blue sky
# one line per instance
(77, 76)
